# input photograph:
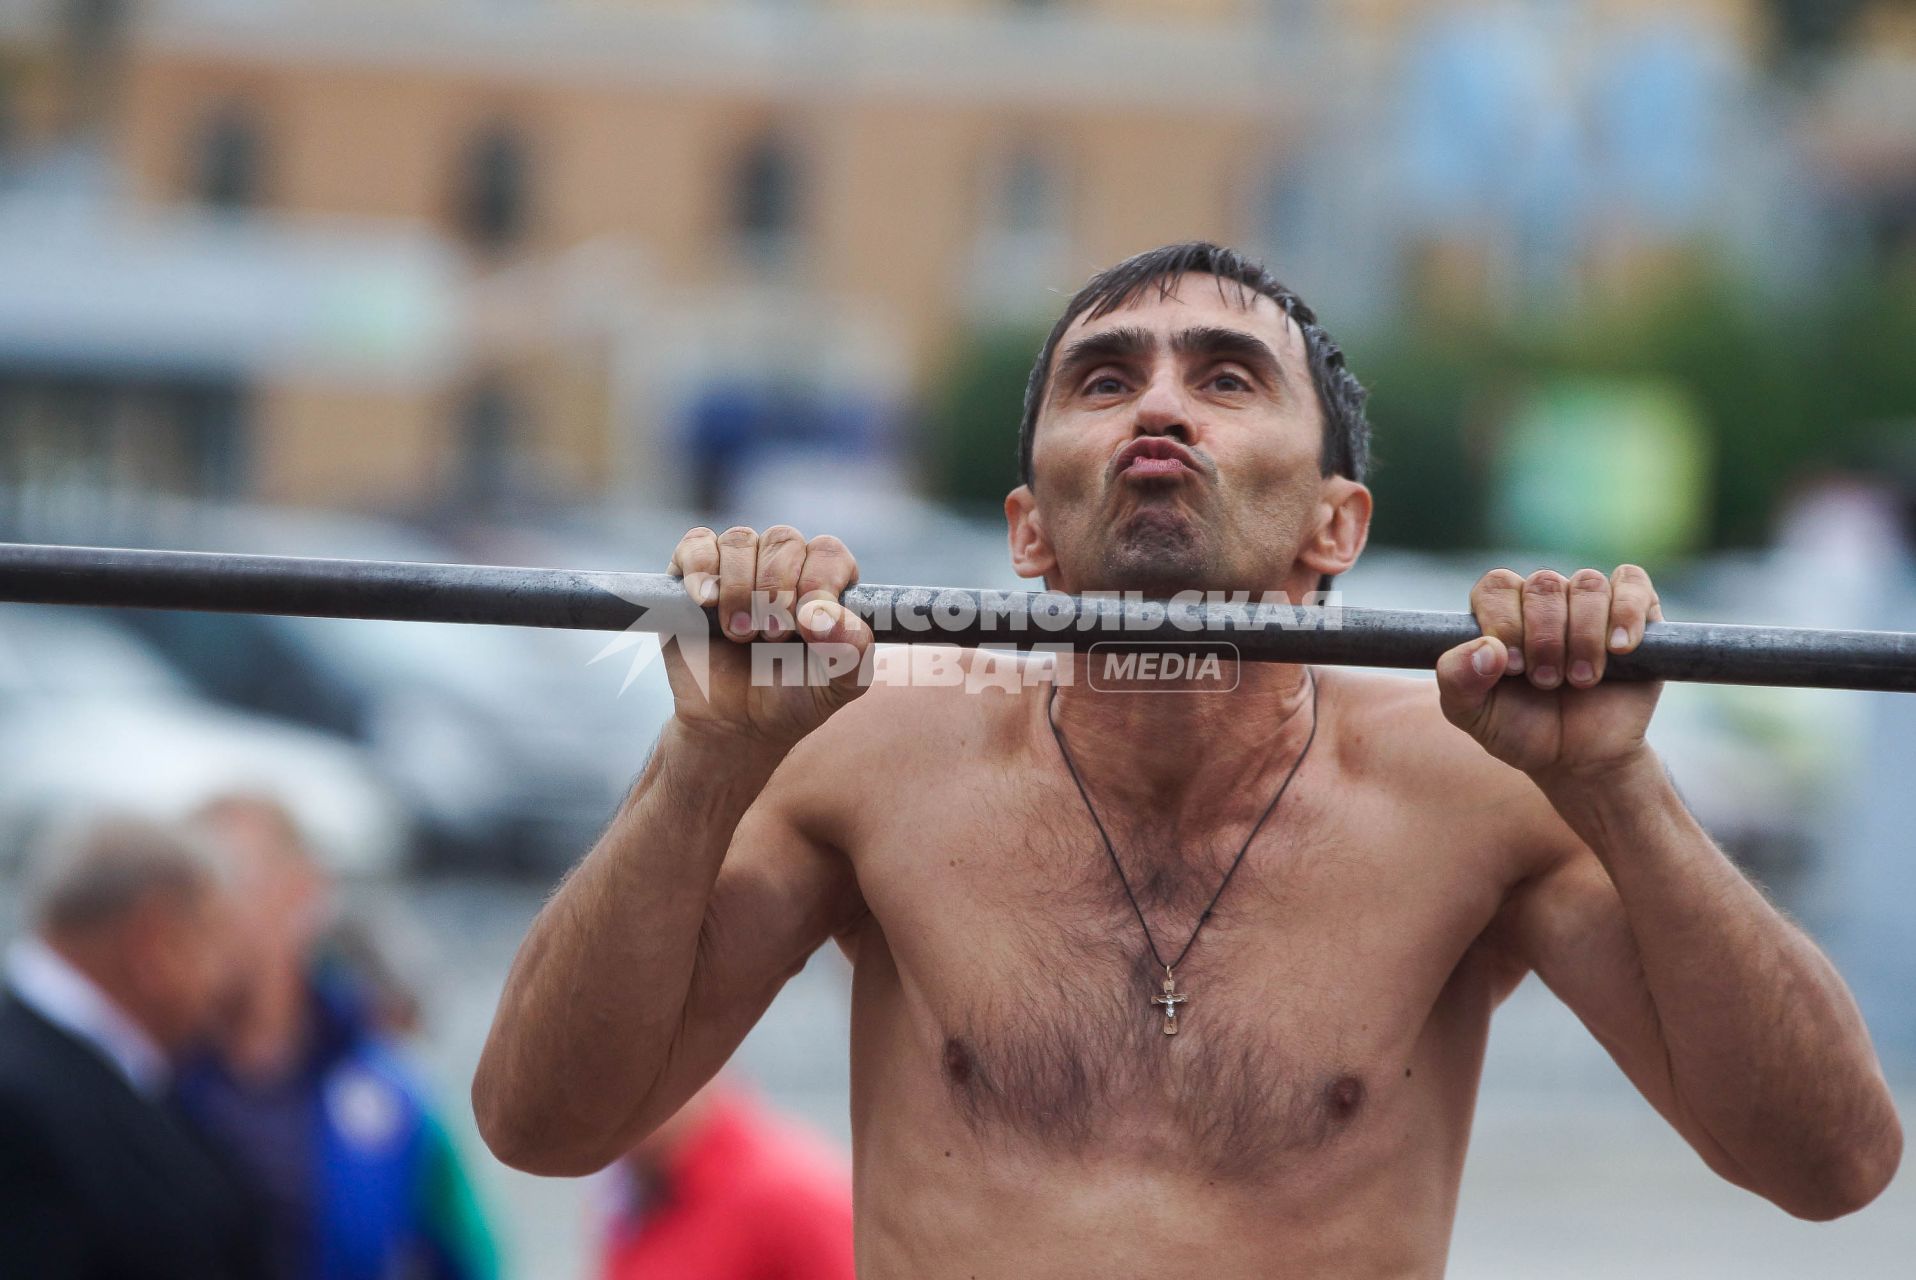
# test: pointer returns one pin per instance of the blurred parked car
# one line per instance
(91, 721)
(508, 748)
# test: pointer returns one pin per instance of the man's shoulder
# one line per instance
(1391, 729)
(1393, 739)
(1374, 709)
(929, 714)
(931, 700)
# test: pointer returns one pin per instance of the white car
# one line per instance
(93, 723)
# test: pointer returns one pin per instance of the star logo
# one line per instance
(679, 622)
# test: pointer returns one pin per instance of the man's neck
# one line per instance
(1186, 749)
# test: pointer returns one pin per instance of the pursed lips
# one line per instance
(1152, 458)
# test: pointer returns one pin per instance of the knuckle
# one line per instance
(738, 537)
(1501, 580)
(826, 547)
(1545, 582)
(1499, 616)
(780, 535)
(695, 548)
(822, 579)
(769, 581)
(1590, 581)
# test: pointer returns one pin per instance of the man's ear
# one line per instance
(1030, 550)
(1343, 526)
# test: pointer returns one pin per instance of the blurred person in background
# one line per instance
(129, 960)
(727, 1190)
(359, 1177)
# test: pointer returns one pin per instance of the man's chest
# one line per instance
(1029, 984)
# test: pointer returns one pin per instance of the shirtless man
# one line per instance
(1017, 1108)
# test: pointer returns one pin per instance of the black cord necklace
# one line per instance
(1170, 999)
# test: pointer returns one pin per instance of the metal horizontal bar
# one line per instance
(565, 598)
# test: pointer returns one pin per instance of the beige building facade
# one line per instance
(641, 200)
(900, 172)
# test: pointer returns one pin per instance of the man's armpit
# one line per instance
(1540, 852)
(1496, 954)
(847, 938)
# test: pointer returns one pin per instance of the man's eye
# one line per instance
(1230, 382)
(1103, 385)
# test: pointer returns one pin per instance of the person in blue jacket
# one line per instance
(356, 1176)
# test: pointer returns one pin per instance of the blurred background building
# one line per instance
(511, 257)
(545, 282)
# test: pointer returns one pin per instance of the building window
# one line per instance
(491, 427)
(229, 158)
(92, 458)
(8, 126)
(1023, 244)
(1031, 199)
(93, 37)
(765, 199)
(492, 203)
(1283, 212)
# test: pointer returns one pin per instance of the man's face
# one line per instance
(281, 896)
(1178, 448)
(186, 958)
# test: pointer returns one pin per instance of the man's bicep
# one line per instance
(779, 895)
(781, 892)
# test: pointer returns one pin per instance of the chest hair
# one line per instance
(1063, 1047)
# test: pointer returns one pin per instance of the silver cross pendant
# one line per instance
(1170, 1000)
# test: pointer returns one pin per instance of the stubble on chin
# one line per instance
(1156, 552)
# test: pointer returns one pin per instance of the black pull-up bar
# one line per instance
(565, 598)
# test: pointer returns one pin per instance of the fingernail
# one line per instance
(1515, 665)
(821, 623)
(1483, 660)
(708, 591)
(1582, 672)
(741, 623)
(1546, 676)
(1619, 638)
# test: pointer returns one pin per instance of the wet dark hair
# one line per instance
(1340, 395)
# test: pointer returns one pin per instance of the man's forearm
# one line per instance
(597, 991)
(1766, 1048)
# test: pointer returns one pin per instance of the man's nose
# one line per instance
(1164, 410)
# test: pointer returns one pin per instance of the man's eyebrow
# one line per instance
(1234, 344)
(1110, 346)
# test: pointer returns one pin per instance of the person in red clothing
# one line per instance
(728, 1190)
